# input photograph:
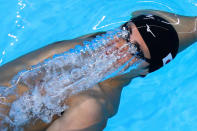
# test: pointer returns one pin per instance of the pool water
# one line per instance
(165, 100)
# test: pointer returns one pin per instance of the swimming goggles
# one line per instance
(135, 44)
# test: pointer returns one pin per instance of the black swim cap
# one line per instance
(160, 37)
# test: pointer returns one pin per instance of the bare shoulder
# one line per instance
(87, 111)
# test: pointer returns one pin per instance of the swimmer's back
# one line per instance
(9, 70)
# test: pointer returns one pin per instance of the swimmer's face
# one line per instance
(122, 44)
(135, 38)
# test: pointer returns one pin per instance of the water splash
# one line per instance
(56, 79)
(19, 25)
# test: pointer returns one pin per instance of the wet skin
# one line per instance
(28, 60)
(89, 110)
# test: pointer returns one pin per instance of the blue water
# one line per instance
(165, 100)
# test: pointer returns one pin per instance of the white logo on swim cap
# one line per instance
(167, 59)
(148, 30)
(150, 16)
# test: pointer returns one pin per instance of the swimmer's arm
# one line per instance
(10, 69)
(92, 35)
(186, 26)
(91, 111)
(86, 112)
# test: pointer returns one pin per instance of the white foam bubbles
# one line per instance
(56, 79)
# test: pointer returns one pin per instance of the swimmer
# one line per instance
(156, 35)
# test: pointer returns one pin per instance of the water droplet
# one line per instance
(3, 53)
